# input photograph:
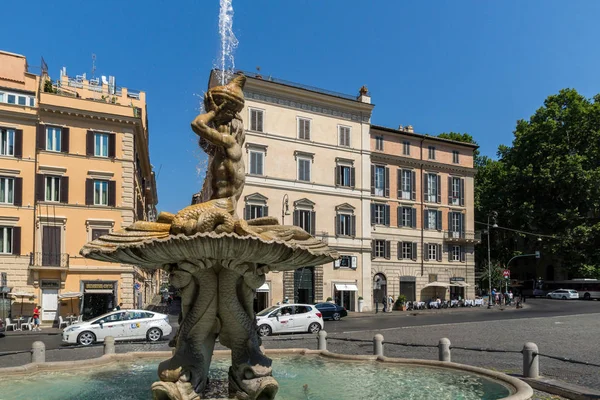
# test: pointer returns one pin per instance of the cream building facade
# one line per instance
(74, 165)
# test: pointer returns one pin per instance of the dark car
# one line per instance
(331, 311)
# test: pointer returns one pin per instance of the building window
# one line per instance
(456, 191)
(305, 219)
(431, 191)
(346, 225)
(455, 222)
(6, 240)
(53, 139)
(433, 219)
(455, 253)
(379, 248)
(406, 184)
(100, 193)
(380, 214)
(96, 233)
(52, 188)
(101, 144)
(255, 211)
(344, 136)
(7, 190)
(407, 251)
(256, 206)
(345, 176)
(304, 169)
(455, 156)
(407, 217)
(431, 153)
(432, 251)
(406, 148)
(7, 142)
(11, 99)
(379, 180)
(256, 120)
(303, 129)
(379, 143)
(257, 159)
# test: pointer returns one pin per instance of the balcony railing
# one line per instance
(457, 236)
(60, 260)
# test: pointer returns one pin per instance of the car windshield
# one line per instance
(266, 311)
(108, 316)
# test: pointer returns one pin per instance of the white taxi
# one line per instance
(563, 294)
(286, 318)
(122, 325)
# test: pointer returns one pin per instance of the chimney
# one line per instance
(363, 95)
(400, 127)
(410, 129)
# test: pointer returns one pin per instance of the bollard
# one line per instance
(444, 349)
(531, 361)
(109, 345)
(378, 345)
(38, 352)
(322, 345)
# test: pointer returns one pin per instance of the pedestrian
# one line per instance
(36, 318)
(286, 301)
(118, 307)
(390, 303)
(384, 302)
(510, 297)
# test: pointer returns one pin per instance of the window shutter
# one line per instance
(439, 220)
(313, 218)
(64, 189)
(439, 252)
(296, 217)
(449, 190)
(259, 121)
(463, 254)
(41, 137)
(353, 177)
(387, 182)
(372, 214)
(426, 219)
(399, 182)
(449, 249)
(40, 187)
(18, 143)
(462, 224)
(413, 185)
(387, 215)
(265, 211)
(89, 192)
(372, 249)
(413, 253)
(462, 192)
(64, 140)
(16, 237)
(439, 188)
(112, 145)
(450, 221)
(247, 212)
(414, 217)
(399, 250)
(338, 225)
(338, 172)
(112, 193)
(386, 247)
(89, 143)
(18, 192)
(399, 216)
(425, 187)
(353, 225)
(426, 251)
(372, 179)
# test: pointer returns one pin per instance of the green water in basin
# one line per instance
(325, 380)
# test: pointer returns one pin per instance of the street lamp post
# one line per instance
(493, 214)
(285, 208)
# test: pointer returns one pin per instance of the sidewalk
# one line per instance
(44, 331)
(355, 314)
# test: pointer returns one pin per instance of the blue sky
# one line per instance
(467, 66)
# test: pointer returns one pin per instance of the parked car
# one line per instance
(564, 294)
(122, 325)
(331, 311)
(2, 328)
(286, 318)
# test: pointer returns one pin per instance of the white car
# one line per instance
(286, 318)
(564, 294)
(122, 325)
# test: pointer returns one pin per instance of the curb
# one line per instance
(368, 314)
(563, 389)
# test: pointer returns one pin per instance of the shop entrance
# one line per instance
(261, 298)
(49, 299)
(408, 287)
(98, 299)
(379, 289)
(344, 295)
(457, 291)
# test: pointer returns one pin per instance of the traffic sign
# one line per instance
(506, 273)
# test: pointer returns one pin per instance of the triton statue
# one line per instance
(216, 260)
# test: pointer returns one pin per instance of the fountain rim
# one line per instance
(518, 388)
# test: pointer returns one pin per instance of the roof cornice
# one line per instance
(421, 136)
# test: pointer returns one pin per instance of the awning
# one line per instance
(437, 284)
(70, 295)
(460, 284)
(98, 291)
(263, 288)
(342, 287)
(22, 294)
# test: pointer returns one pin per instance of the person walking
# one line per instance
(384, 302)
(390, 303)
(36, 318)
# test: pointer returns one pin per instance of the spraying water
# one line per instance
(228, 40)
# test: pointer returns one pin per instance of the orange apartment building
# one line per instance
(422, 215)
(74, 165)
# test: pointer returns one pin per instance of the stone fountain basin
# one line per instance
(337, 373)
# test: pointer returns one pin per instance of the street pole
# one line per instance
(489, 265)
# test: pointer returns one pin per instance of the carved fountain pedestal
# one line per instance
(217, 261)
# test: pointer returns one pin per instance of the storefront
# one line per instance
(408, 287)
(344, 295)
(261, 299)
(99, 297)
(49, 301)
(457, 288)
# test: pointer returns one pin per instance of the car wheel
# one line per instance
(154, 334)
(314, 328)
(336, 316)
(587, 296)
(264, 330)
(86, 338)
(564, 297)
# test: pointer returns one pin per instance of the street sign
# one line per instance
(506, 273)
(137, 286)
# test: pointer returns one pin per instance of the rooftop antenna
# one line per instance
(93, 65)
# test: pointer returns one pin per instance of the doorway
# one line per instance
(51, 246)
(49, 304)
(304, 285)
(408, 287)
(379, 288)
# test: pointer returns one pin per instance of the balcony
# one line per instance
(57, 261)
(462, 237)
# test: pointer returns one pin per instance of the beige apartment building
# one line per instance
(74, 165)
(307, 163)
(422, 215)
